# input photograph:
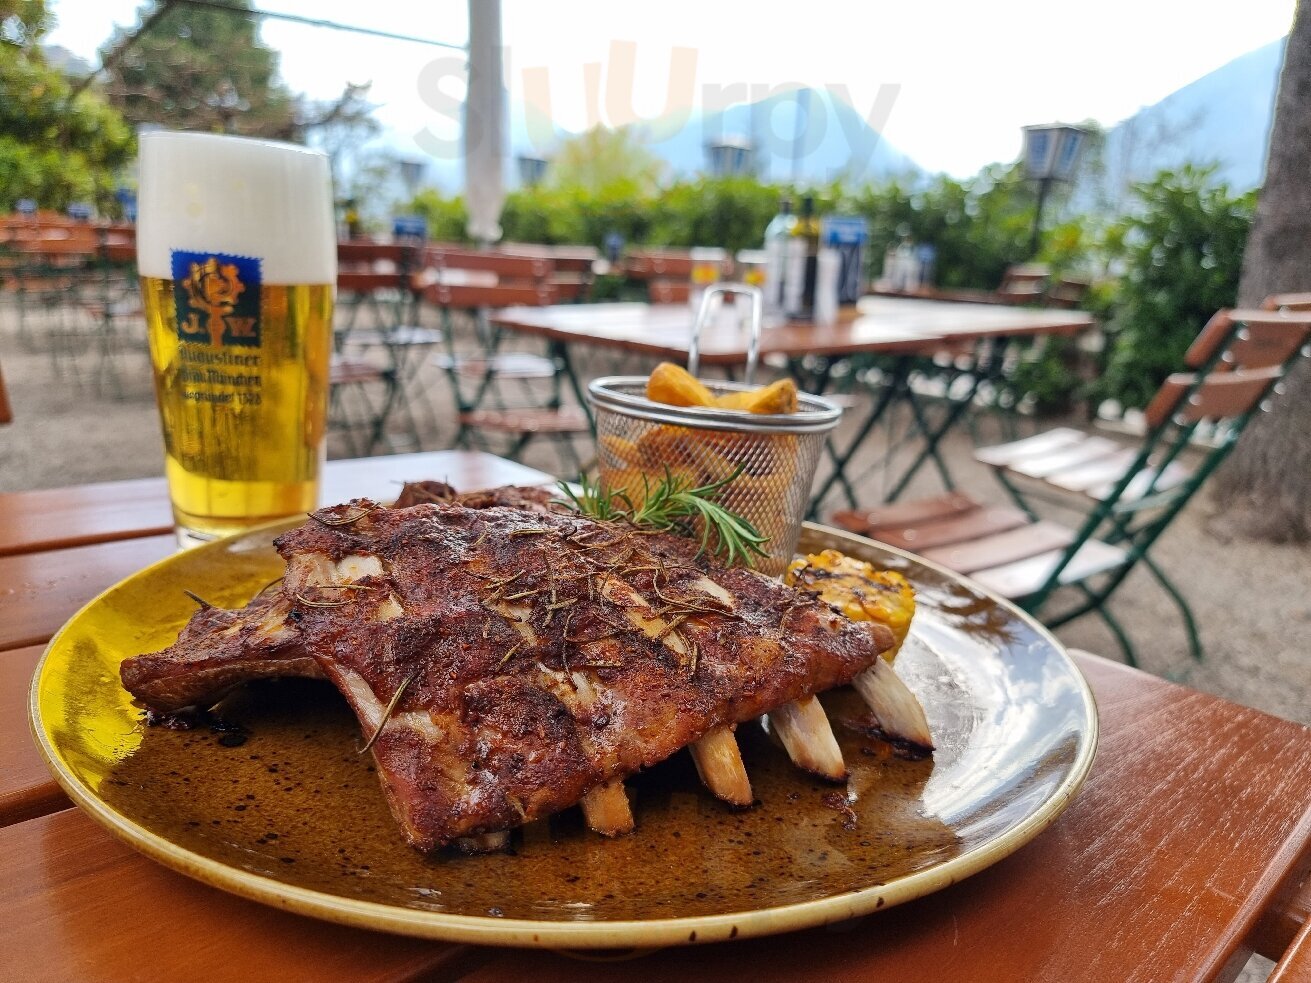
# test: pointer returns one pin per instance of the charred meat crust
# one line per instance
(542, 653)
(218, 650)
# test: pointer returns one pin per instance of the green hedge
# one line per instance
(1180, 255)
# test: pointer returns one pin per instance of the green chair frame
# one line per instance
(1237, 363)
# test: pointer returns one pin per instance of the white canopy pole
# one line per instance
(484, 124)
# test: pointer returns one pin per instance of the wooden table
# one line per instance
(878, 325)
(1182, 853)
(905, 329)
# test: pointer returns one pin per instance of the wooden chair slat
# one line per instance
(577, 259)
(1088, 450)
(647, 264)
(1024, 577)
(1002, 548)
(503, 365)
(368, 253)
(1270, 338)
(502, 295)
(519, 421)
(669, 291)
(1173, 475)
(351, 281)
(1220, 396)
(905, 513)
(1288, 302)
(949, 531)
(1295, 964)
(349, 371)
(502, 264)
(1094, 474)
(1046, 442)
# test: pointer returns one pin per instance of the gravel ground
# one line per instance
(80, 417)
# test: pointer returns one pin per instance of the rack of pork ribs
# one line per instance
(508, 658)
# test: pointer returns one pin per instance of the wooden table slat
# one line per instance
(79, 905)
(42, 590)
(26, 788)
(1157, 871)
(60, 518)
(1294, 966)
(1126, 886)
(83, 514)
(890, 326)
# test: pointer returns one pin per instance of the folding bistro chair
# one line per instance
(489, 413)
(666, 274)
(1127, 496)
(378, 312)
(937, 391)
(1024, 284)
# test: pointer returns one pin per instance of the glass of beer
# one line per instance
(236, 250)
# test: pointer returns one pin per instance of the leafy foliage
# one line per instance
(978, 226)
(53, 150)
(1182, 252)
(24, 22)
(603, 156)
(201, 69)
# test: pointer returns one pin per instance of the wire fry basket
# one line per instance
(639, 439)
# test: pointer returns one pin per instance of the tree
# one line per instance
(340, 127)
(24, 22)
(200, 69)
(601, 157)
(1264, 489)
(52, 149)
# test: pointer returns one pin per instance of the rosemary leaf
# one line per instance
(673, 505)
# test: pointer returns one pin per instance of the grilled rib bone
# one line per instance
(807, 736)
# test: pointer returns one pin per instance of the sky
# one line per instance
(948, 82)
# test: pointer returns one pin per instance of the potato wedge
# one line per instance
(777, 397)
(622, 450)
(675, 386)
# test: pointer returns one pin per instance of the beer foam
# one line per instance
(201, 192)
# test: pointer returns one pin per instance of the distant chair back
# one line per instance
(1024, 284)
(455, 277)
(1067, 292)
(1287, 302)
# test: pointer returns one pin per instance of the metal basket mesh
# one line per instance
(638, 441)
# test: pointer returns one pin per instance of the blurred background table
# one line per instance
(1185, 851)
(970, 341)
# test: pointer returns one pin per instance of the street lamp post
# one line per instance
(1050, 154)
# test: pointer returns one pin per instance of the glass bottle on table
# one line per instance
(778, 233)
(802, 265)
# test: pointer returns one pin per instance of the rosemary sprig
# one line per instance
(675, 505)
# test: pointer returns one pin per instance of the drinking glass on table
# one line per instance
(236, 250)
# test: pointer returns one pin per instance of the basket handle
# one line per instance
(703, 314)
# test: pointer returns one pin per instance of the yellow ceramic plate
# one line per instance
(286, 812)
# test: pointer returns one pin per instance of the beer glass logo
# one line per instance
(217, 298)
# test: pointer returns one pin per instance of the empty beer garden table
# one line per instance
(905, 329)
(1185, 850)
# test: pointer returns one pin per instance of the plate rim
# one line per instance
(528, 933)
